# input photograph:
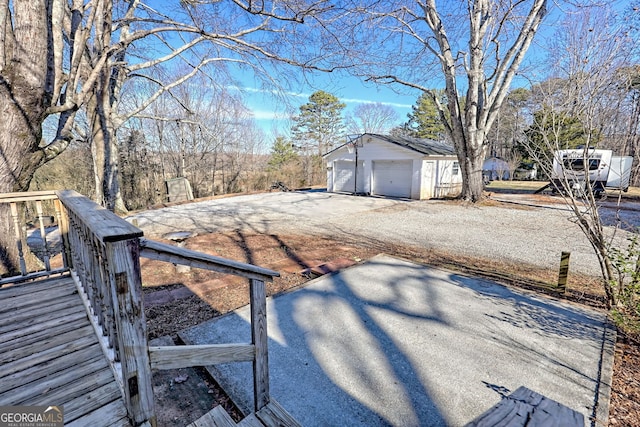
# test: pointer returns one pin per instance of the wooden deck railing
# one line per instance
(28, 215)
(201, 355)
(103, 251)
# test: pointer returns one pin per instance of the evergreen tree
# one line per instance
(319, 127)
(316, 130)
(282, 153)
(557, 130)
(424, 120)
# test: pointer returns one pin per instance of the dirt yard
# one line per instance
(175, 301)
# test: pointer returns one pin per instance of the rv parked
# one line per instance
(577, 168)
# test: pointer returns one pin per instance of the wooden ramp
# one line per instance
(271, 415)
(51, 356)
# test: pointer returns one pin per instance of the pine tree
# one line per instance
(319, 127)
(424, 120)
(282, 153)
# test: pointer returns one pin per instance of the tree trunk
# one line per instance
(472, 182)
(23, 98)
(105, 153)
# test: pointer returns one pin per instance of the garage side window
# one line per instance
(456, 169)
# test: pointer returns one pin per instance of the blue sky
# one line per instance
(271, 113)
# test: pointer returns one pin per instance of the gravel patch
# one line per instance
(515, 230)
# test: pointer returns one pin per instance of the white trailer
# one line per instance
(598, 168)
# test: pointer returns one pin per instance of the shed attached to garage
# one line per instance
(393, 166)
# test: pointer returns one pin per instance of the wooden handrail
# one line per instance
(28, 196)
(256, 352)
(164, 252)
(104, 224)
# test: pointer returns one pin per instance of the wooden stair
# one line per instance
(50, 355)
(271, 415)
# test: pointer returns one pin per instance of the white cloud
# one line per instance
(307, 95)
(367, 101)
(269, 115)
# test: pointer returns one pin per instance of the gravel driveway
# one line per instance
(514, 231)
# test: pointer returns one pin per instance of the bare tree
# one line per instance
(371, 118)
(58, 57)
(589, 51)
(475, 48)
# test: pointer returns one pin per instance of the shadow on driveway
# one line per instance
(389, 342)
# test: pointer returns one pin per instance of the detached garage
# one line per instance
(393, 166)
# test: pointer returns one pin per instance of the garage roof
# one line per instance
(424, 146)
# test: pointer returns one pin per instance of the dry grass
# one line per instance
(532, 186)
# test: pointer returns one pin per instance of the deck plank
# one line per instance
(62, 383)
(50, 367)
(47, 354)
(34, 297)
(274, 415)
(114, 414)
(250, 421)
(21, 289)
(99, 397)
(51, 355)
(15, 320)
(56, 332)
(217, 417)
(42, 324)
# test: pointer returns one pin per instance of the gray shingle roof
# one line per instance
(424, 146)
(427, 147)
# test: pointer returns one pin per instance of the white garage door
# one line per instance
(392, 178)
(344, 178)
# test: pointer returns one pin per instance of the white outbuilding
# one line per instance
(393, 166)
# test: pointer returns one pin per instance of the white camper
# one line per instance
(599, 168)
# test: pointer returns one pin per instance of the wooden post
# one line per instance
(43, 236)
(63, 226)
(18, 233)
(259, 338)
(123, 259)
(564, 271)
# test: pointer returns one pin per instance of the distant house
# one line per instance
(494, 168)
(393, 166)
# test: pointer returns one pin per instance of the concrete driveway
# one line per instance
(389, 342)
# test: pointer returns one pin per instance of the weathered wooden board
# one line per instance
(22, 318)
(37, 286)
(97, 398)
(43, 324)
(182, 256)
(259, 337)
(274, 415)
(250, 421)
(37, 298)
(15, 340)
(50, 367)
(45, 355)
(28, 196)
(217, 417)
(113, 414)
(106, 226)
(64, 385)
(199, 355)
